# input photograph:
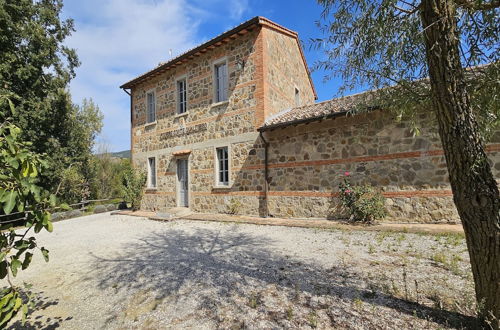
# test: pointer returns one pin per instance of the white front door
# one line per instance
(183, 182)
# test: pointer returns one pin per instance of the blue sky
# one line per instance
(117, 40)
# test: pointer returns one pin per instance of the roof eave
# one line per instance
(332, 115)
(302, 121)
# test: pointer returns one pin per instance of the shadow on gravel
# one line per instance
(37, 321)
(165, 262)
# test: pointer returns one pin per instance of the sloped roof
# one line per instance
(217, 41)
(317, 111)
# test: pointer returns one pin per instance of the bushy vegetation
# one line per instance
(133, 187)
(363, 202)
(35, 71)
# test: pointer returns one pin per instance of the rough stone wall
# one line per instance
(307, 163)
(204, 127)
(284, 70)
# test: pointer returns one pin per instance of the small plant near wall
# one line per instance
(363, 202)
(234, 206)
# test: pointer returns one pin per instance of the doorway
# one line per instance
(183, 182)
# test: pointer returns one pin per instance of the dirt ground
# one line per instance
(119, 271)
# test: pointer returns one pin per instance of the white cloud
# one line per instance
(237, 8)
(117, 40)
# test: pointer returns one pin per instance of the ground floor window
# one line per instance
(222, 166)
(152, 172)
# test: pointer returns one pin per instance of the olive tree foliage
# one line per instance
(378, 44)
(440, 57)
(20, 195)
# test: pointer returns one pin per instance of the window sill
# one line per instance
(151, 189)
(217, 104)
(221, 187)
(153, 123)
(178, 115)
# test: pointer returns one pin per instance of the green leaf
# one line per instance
(24, 312)
(20, 206)
(10, 202)
(11, 106)
(38, 227)
(11, 143)
(36, 192)
(6, 318)
(13, 162)
(3, 269)
(18, 303)
(52, 200)
(45, 253)
(10, 302)
(45, 218)
(49, 226)
(25, 169)
(27, 260)
(65, 206)
(5, 299)
(14, 265)
(34, 171)
(21, 244)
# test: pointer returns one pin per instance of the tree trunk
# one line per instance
(475, 191)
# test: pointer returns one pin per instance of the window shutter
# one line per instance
(224, 82)
(153, 112)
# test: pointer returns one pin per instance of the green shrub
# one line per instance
(73, 187)
(234, 206)
(363, 202)
(133, 187)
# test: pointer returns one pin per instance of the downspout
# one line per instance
(266, 174)
(131, 124)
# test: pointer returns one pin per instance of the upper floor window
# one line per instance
(222, 166)
(221, 84)
(297, 97)
(152, 172)
(151, 106)
(181, 96)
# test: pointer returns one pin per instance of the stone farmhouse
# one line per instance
(233, 123)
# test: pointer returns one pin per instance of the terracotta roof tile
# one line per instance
(316, 111)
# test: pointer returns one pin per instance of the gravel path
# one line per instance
(118, 272)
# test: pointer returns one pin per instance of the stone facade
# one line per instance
(284, 72)
(307, 162)
(208, 125)
(265, 66)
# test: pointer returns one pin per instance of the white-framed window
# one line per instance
(151, 172)
(222, 166)
(151, 106)
(181, 95)
(220, 81)
(297, 97)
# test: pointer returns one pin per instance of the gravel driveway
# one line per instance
(128, 272)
